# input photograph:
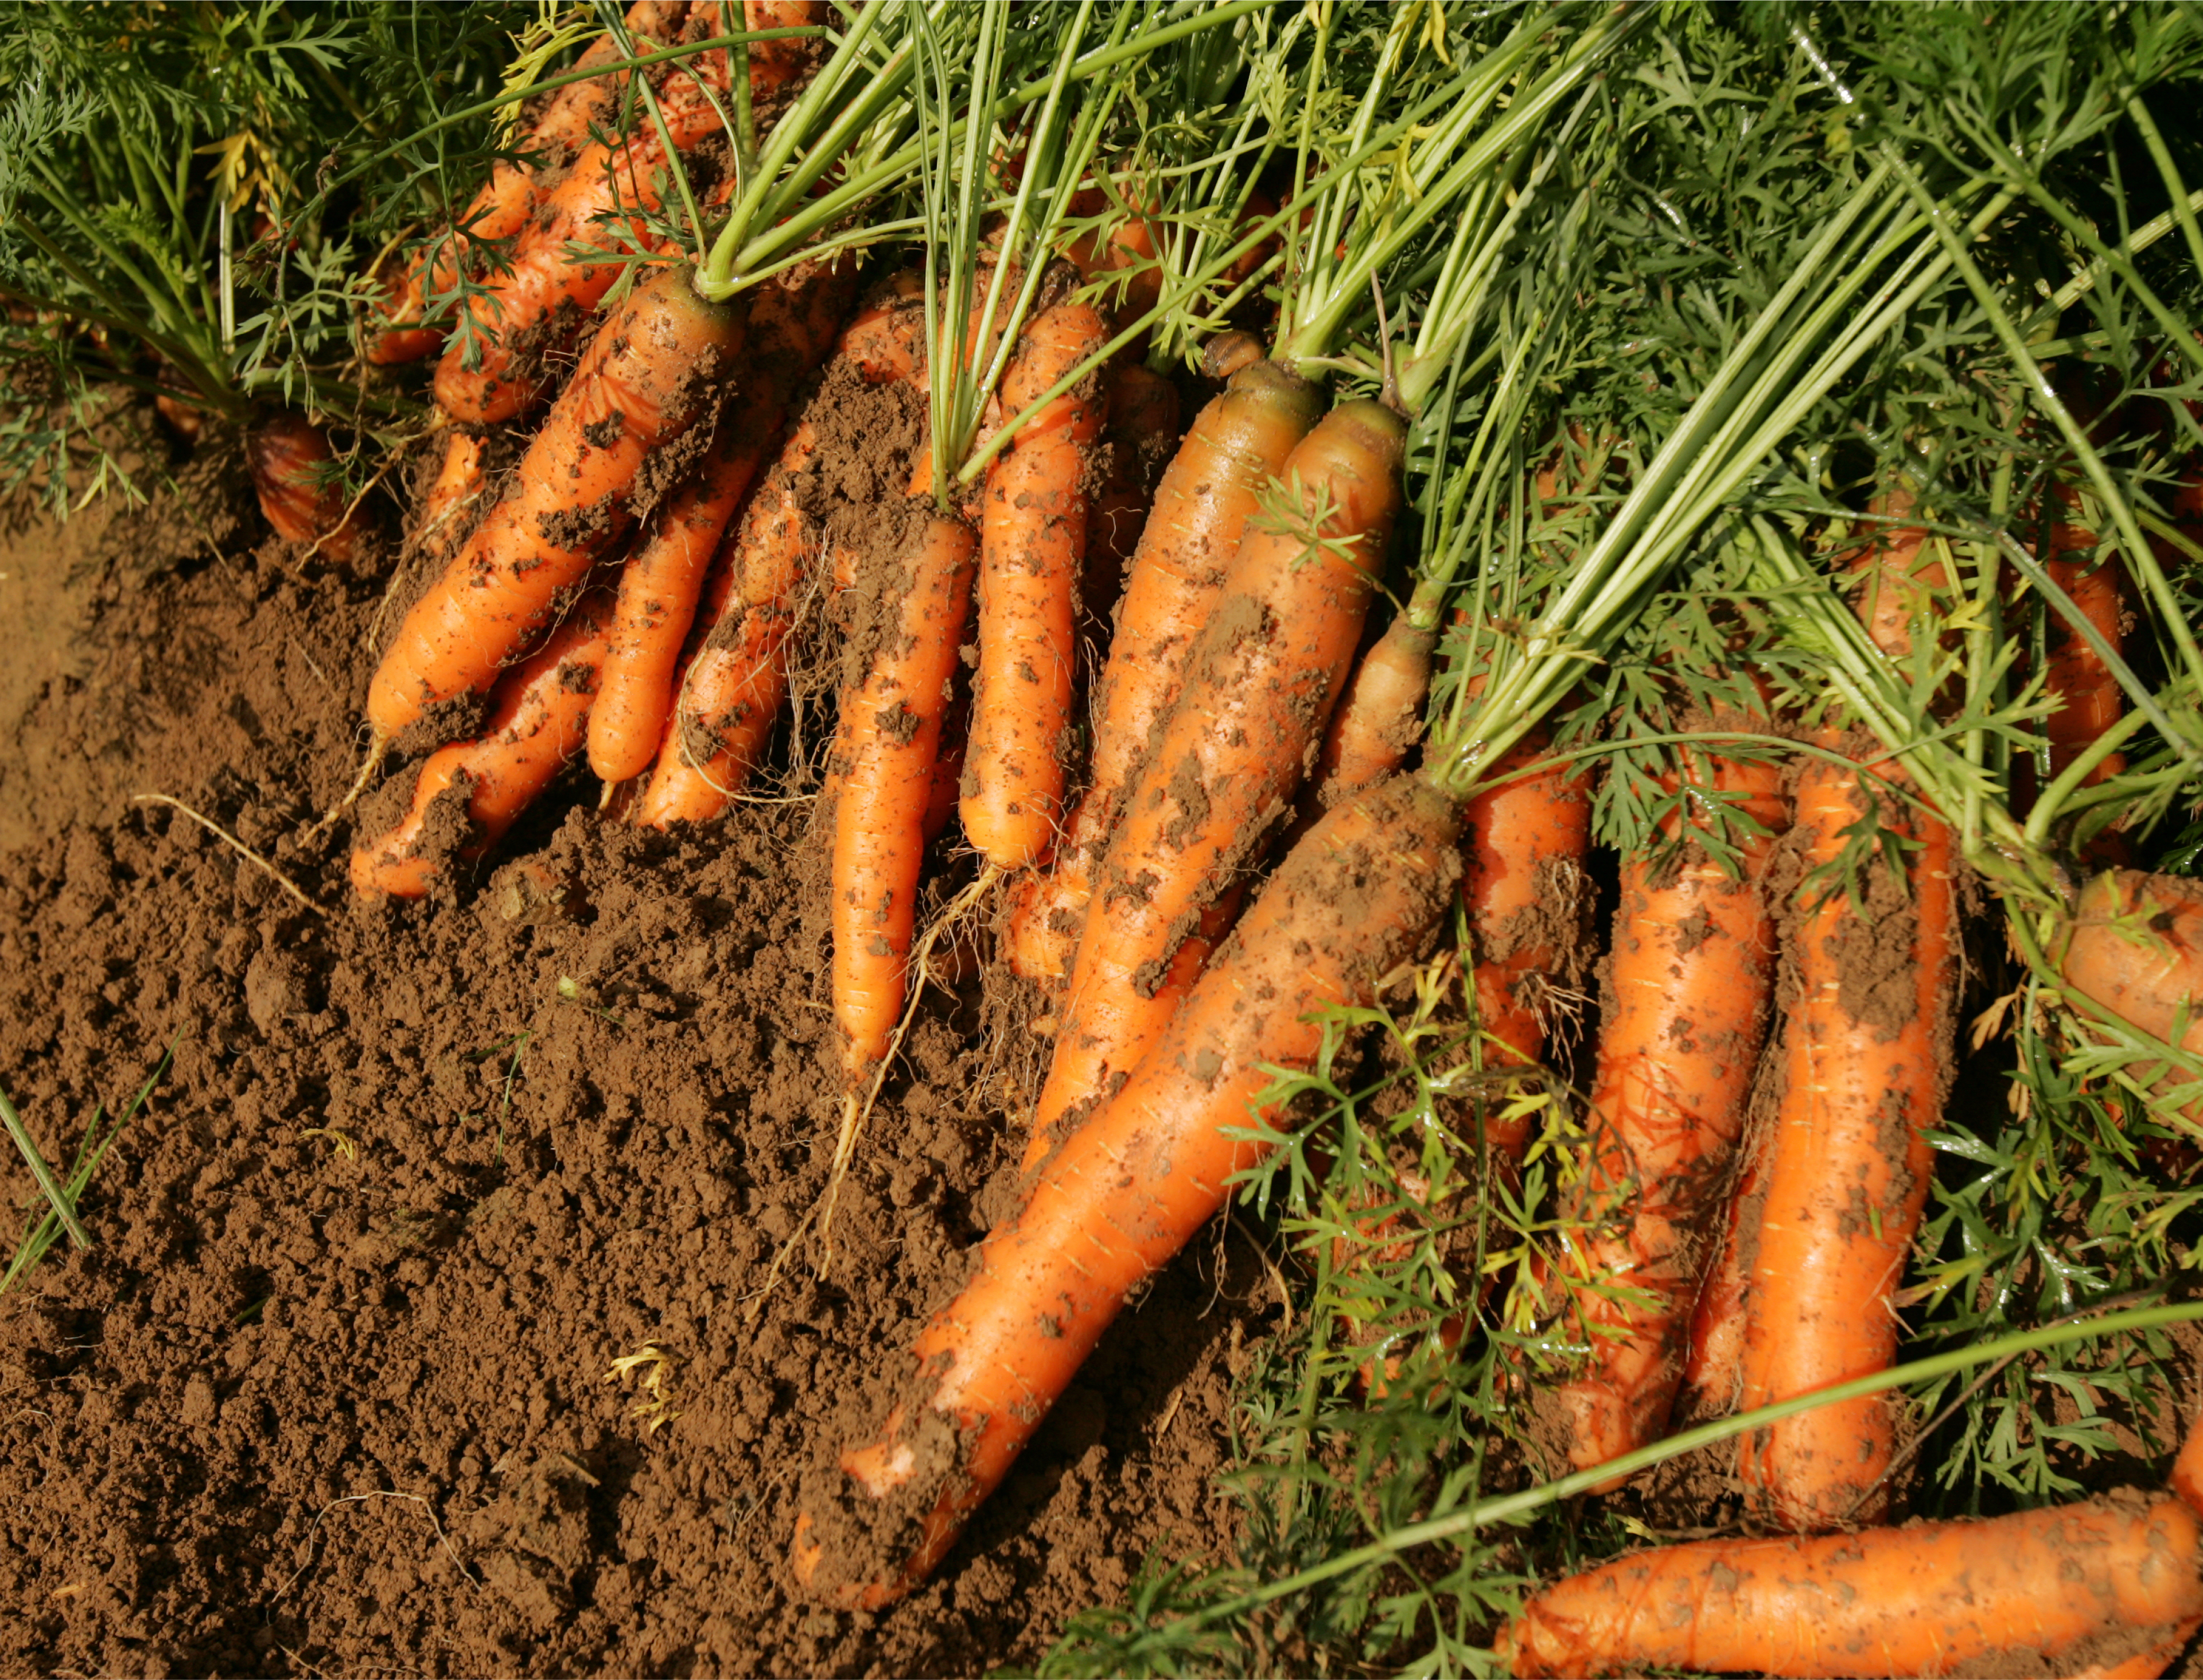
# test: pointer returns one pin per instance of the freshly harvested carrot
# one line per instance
(561, 128)
(885, 753)
(458, 486)
(1262, 676)
(2089, 702)
(2133, 945)
(294, 474)
(2148, 1663)
(616, 181)
(1033, 547)
(651, 373)
(1143, 423)
(1693, 966)
(1354, 899)
(1998, 1596)
(538, 720)
(1379, 719)
(1236, 445)
(1713, 1368)
(1866, 1058)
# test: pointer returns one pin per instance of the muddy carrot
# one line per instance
(1236, 445)
(538, 720)
(1262, 676)
(1998, 1596)
(885, 753)
(1033, 547)
(511, 193)
(2147, 1664)
(2133, 945)
(1713, 1368)
(652, 373)
(1866, 1061)
(458, 487)
(1692, 967)
(1379, 719)
(294, 476)
(1356, 896)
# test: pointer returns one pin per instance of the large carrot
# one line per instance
(1993, 1597)
(537, 721)
(1693, 963)
(613, 182)
(791, 324)
(1236, 445)
(294, 476)
(560, 128)
(1260, 684)
(651, 373)
(1032, 551)
(1866, 1063)
(1354, 898)
(885, 754)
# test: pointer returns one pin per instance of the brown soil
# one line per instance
(333, 1390)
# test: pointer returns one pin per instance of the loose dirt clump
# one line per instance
(421, 1327)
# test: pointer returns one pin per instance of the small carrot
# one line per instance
(560, 128)
(1260, 681)
(1032, 545)
(1236, 445)
(2133, 945)
(1354, 899)
(1379, 719)
(538, 720)
(2089, 700)
(649, 375)
(885, 753)
(1693, 969)
(294, 476)
(1997, 1596)
(458, 487)
(1867, 1066)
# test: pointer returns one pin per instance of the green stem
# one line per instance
(42, 1172)
(2052, 804)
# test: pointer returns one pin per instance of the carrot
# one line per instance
(294, 475)
(650, 375)
(1143, 423)
(885, 753)
(560, 128)
(1692, 965)
(1866, 1068)
(1236, 445)
(1260, 680)
(537, 721)
(1713, 1369)
(615, 181)
(1379, 719)
(2148, 1663)
(458, 486)
(1986, 1597)
(2089, 702)
(2133, 945)
(1032, 544)
(1354, 899)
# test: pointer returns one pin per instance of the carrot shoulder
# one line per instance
(1937, 1598)
(1260, 681)
(653, 371)
(1356, 896)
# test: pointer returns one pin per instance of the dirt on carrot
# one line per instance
(331, 1390)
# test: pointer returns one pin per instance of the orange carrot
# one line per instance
(538, 720)
(885, 756)
(649, 375)
(616, 180)
(1692, 966)
(1866, 1060)
(1990, 1597)
(560, 128)
(458, 486)
(1237, 444)
(2088, 696)
(1032, 544)
(2148, 1663)
(2133, 945)
(1354, 898)
(1260, 684)
(1713, 1369)
(1379, 719)
(294, 474)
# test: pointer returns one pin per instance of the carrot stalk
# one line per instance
(1236, 445)
(1355, 897)
(538, 720)
(1694, 961)
(1866, 1068)
(1033, 550)
(651, 373)
(1989, 1597)
(1260, 680)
